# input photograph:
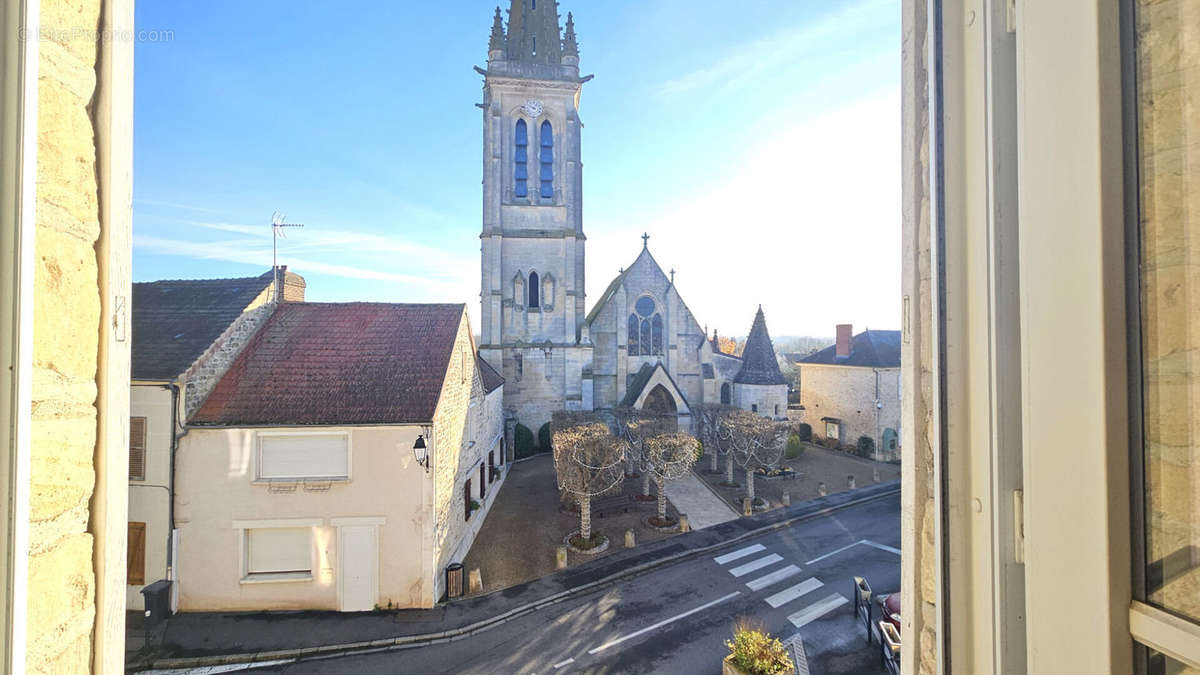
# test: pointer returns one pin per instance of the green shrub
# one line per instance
(804, 431)
(522, 442)
(544, 442)
(755, 652)
(794, 447)
(699, 450)
(865, 447)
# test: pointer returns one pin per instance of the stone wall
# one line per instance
(850, 394)
(61, 591)
(768, 400)
(202, 377)
(1169, 87)
(918, 571)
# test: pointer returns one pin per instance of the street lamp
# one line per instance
(421, 452)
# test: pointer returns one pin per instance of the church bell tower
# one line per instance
(532, 285)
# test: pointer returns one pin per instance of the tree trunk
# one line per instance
(645, 483)
(585, 517)
(750, 484)
(729, 467)
(662, 500)
(713, 452)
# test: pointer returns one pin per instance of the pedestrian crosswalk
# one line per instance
(750, 559)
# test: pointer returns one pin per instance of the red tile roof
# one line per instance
(338, 363)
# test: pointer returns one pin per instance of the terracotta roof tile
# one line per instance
(339, 363)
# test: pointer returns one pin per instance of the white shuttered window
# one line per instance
(325, 456)
(279, 550)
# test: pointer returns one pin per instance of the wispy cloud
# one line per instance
(784, 48)
(174, 205)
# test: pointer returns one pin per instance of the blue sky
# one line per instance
(758, 143)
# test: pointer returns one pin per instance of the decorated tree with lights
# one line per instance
(588, 461)
(633, 427)
(715, 429)
(669, 456)
(757, 443)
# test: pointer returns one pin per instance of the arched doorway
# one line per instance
(726, 394)
(660, 401)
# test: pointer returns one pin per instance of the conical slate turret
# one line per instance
(759, 365)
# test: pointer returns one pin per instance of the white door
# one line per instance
(359, 557)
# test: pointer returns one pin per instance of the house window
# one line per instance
(533, 290)
(833, 430)
(645, 328)
(491, 463)
(135, 565)
(521, 161)
(726, 394)
(137, 448)
(467, 500)
(777, 410)
(278, 551)
(303, 456)
(547, 161)
(482, 482)
(753, 407)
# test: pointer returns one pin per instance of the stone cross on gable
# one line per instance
(645, 240)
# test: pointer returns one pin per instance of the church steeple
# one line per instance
(534, 35)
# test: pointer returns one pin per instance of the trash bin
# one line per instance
(454, 580)
(157, 597)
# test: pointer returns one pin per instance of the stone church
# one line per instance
(639, 345)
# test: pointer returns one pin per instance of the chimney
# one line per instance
(280, 277)
(844, 331)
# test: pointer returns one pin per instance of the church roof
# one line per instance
(868, 349)
(339, 363)
(642, 378)
(759, 365)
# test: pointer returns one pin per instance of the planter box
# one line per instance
(727, 668)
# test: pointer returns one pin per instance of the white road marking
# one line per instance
(817, 610)
(756, 565)
(560, 664)
(664, 622)
(740, 553)
(789, 594)
(881, 547)
(773, 578)
(868, 542)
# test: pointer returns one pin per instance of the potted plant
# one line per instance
(473, 506)
(753, 651)
(495, 473)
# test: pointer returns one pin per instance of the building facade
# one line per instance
(366, 466)
(536, 332)
(852, 389)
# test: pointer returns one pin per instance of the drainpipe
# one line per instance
(171, 479)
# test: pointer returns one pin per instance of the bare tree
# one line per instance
(669, 456)
(757, 443)
(717, 433)
(588, 460)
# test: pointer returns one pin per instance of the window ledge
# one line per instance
(276, 578)
(310, 479)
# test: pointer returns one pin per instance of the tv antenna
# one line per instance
(278, 222)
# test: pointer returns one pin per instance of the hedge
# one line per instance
(523, 442)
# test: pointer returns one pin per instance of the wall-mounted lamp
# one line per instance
(421, 452)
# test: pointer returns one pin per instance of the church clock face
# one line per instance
(533, 107)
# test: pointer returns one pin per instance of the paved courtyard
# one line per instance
(816, 466)
(525, 526)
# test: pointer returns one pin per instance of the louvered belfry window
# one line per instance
(521, 161)
(546, 160)
(137, 448)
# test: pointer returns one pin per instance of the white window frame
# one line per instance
(260, 479)
(243, 528)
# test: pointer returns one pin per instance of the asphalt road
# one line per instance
(795, 581)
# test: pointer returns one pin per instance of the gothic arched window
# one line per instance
(521, 161)
(547, 160)
(534, 289)
(645, 328)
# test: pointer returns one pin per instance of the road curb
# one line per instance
(424, 639)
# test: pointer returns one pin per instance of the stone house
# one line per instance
(347, 456)
(185, 333)
(852, 389)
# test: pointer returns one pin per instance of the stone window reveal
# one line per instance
(645, 328)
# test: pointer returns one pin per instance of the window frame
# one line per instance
(243, 528)
(133, 422)
(257, 474)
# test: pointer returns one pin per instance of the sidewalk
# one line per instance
(703, 507)
(256, 636)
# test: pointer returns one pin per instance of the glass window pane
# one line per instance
(1168, 118)
(1161, 664)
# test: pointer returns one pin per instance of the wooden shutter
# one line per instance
(135, 561)
(137, 448)
(467, 500)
